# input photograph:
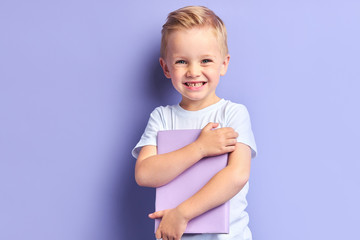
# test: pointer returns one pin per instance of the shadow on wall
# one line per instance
(134, 203)
(159, 89)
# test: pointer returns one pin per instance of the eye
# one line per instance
(206, 61)
(180, 62)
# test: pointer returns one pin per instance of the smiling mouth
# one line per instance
(195, 84)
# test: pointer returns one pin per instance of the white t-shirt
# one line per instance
(227, 114)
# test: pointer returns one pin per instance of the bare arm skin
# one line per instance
(152, 170)
(221, 188)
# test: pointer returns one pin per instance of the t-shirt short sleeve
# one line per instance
(149, 136)
(239, 119)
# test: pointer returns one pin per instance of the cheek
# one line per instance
(213, 73)
(177, 73)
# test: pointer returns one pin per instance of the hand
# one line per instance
(172, 225)
(214, 142)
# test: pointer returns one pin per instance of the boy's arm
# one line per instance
(152, 170)
(221, 188)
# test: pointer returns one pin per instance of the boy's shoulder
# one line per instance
(165, 108)
(230, 104)
(161, 111)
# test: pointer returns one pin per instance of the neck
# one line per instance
(197, 105)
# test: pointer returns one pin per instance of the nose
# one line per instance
(193, 71)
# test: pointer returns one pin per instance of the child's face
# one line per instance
(194, 63)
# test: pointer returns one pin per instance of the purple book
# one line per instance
(189, 182)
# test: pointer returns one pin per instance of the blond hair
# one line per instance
(190, 17)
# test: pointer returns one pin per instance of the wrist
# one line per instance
(184, 212)
(199, 149)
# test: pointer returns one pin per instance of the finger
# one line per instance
(225, 131)
(232, 134)
(158, 214)
(231, 142)
(210, 126)
(230, 148)
(158, 234)
(154, 215)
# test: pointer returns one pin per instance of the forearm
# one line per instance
(159, 169)
(154, 170)
(221, 188)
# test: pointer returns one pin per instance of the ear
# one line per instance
(224, 65)
(165, 67)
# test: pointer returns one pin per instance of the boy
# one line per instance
(194, 55)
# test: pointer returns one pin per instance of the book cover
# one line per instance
(189, 182)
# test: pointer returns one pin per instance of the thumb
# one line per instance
(210, 126)
(158, 214)
(158, 234)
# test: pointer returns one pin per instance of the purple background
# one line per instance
(78, 80)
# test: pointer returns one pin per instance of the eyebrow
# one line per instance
(208, 56)
(177, 56)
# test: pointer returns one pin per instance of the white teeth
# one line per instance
(194, 84)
